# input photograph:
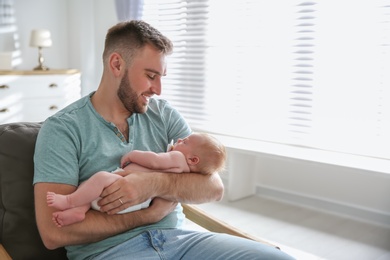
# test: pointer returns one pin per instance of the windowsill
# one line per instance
(302, 153)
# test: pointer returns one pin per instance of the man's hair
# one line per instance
(212, 154)
(127, 38)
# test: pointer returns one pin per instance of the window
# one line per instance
(312, 74)
(10, 54)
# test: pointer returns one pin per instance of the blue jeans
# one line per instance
(172, 244)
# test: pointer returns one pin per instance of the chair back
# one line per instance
(18, 230)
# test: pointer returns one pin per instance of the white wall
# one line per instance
(43, 14)
(357, 193)
(78, 29)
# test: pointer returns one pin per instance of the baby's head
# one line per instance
(204, 153)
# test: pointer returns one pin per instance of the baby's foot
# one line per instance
(57, 201)
(57, 219)
(67, 217)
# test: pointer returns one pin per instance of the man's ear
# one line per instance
(193, 160)
(117, 64)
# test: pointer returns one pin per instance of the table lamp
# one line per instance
(40, 38)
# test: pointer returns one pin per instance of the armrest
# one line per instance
(3, 254)
(212, 224)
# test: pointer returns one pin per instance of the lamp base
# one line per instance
(41, 67)
(40, 61)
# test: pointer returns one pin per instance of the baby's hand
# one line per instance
(125, 161)
(125, 164)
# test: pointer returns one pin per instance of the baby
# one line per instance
(197, 153)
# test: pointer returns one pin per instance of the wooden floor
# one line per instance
(305, 233)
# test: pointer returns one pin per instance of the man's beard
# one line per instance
(128, 96)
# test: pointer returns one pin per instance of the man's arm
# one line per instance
(187, 188)
(96, 226)
(191, 188)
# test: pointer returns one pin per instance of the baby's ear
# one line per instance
(194, 160)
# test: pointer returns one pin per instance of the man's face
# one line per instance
(142, 80)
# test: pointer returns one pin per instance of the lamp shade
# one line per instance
(40, 38)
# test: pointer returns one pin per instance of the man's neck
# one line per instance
(111, 113)
(109, 107)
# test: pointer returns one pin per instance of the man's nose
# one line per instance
(156, 87)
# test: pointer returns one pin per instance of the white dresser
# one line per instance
(35, 95)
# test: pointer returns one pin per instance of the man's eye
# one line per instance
(151, 76)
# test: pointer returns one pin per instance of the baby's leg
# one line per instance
(85, 193)
(70, 216)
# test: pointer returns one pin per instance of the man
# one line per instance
(92, 134)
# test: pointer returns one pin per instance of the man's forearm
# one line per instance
(137, 187)
(192, 188)
(96, 226)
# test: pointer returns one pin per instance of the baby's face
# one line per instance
(187, 144)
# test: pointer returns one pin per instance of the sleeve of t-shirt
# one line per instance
(177, 126)
(55, 157)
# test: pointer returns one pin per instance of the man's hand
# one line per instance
(132, 189)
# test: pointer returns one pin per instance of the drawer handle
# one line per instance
(54, 107)
(4, 110)
(53, 85)
(3, 86)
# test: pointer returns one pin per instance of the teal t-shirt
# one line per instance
(77, 142)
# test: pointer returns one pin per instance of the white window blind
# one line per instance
(306, 73)
(10, 54)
